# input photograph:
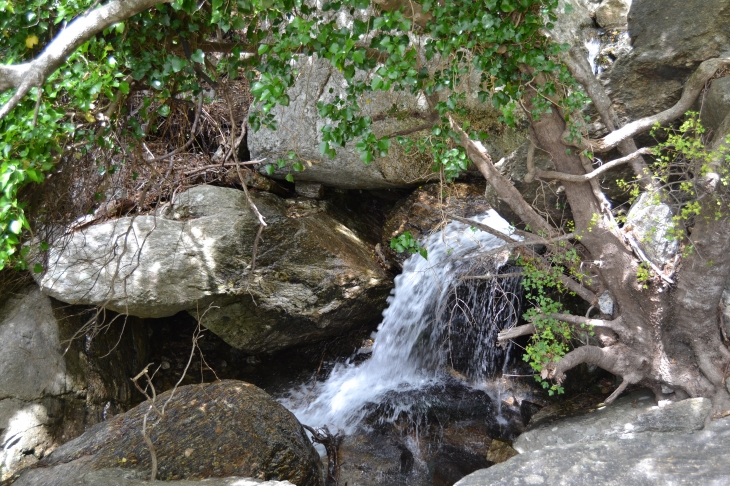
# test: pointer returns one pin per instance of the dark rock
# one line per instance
(221, 429)
(452, 464)
(370, 458)
(670, 39)
(127, 477)
(423, 212)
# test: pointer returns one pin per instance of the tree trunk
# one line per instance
(670, 337)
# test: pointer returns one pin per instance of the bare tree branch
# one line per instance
(615, 325)
(561, 176)
(504, 188)
(34, 73)
(581, 71)
(692, 89)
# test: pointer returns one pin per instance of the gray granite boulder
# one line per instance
(52, 389)
(650, 222)
(217, 430)
(314, 277)
(670, 38)
(629, 442)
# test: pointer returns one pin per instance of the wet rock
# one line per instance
(423, 212)
(500, 451)
(314, 276)
(669, 39)
(52, 389)
(629, 442)
(222, 429)
(126, 477)
(452, 464)
(613, 13)
(370, 458)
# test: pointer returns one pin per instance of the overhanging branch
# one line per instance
(25, 76)
(615, 325)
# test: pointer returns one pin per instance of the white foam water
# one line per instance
(403, 356)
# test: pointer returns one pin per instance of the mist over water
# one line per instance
(412, 346)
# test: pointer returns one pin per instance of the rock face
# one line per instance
(613, 13)
(650, 222)
(422, 212)
(314, 277)
(47, 396)
(629, 442)
(394, 113)
(300, 131)
(669, 39)
(222, 429)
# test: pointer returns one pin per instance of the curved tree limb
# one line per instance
(24, 76)
(615, 325)
(692, 89)
(561, 176)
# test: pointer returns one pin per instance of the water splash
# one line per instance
(593, 46)
(413, 342)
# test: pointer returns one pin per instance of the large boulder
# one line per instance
(314, 277)
(669, 38)
(216, 430)
(652, 225)
(394, 114)
(629, 442)
(51, 388)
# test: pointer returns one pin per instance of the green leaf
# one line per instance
(38, 268)
(198, 56)
(264, 48)
(289, 178)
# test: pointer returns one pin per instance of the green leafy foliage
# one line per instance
(406, 243)
(163, 52)
(552, 338)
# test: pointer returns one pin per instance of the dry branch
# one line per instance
(561, 176)
(615, 325)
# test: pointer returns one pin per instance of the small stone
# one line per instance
(188, 452)
(500, 451)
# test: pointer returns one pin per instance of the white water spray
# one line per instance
(403, 357)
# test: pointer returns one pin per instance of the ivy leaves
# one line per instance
(406, 243)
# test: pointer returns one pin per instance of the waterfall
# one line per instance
(437, 317)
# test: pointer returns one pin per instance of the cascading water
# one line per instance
(435, 319)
